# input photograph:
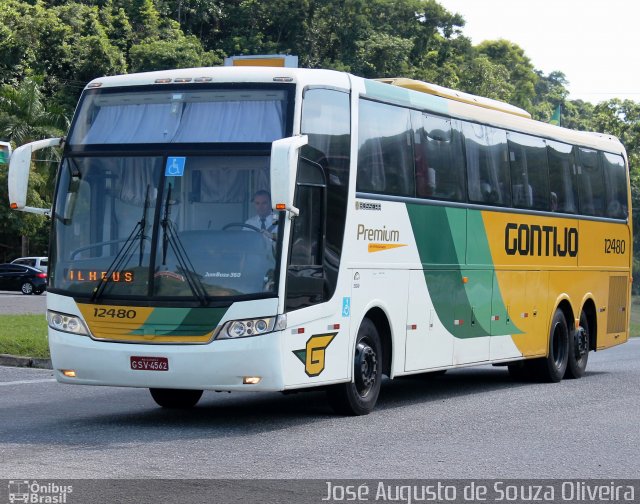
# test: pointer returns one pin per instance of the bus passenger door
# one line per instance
(428, 344)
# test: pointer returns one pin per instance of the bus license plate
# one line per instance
(150, 363)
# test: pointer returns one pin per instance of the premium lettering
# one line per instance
(534, 240)
(380, 235)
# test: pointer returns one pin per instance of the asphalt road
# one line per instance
(16, 303)
(472, 423)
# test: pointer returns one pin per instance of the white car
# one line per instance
(40, 263)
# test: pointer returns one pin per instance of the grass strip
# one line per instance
(24, 335)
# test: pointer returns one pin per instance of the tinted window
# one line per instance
(326, 119)
(306, 235)
(615, 176)
(563, 191)
(385, 158)
(439, 159)
(487, 164)
(529, 182)
(590, 183)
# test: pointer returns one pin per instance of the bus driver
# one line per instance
(264, 220)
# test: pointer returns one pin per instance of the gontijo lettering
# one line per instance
(534, 240)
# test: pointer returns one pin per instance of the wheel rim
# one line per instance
(27, 288)
(581, 343)
(558, 348)
(366, 368)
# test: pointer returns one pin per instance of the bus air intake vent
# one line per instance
(617, 315)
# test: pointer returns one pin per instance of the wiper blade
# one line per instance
(125, 252)
(171, 239)
(143, 225)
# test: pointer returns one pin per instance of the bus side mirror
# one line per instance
(284, 167)
(19, 168)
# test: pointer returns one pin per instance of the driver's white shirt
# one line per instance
(270, 222)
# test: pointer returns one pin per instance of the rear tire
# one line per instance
(176, 398)
(553, 367)
(27, 288)
(579, 349)
(359, 396)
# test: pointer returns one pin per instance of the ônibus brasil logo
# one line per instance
(32, 492)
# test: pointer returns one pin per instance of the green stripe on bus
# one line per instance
(465, 308)
(181, 321)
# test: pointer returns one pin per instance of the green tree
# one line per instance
(482, 77)
(24, 117)
(522, 75)
(186, 52)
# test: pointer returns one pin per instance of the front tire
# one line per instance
(579, 349)
(552, 367)
(176, 398)
(359, 396)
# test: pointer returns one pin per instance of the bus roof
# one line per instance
(453, 94)
(407, 92)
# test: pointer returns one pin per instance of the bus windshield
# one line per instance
(164, 226)
(113, 116)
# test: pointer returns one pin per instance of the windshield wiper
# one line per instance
(125, 252)
(171, 239)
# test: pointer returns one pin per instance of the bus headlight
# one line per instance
(66, 323)
(252, 327)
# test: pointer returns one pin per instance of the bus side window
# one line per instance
(590, 183)
(487, 164)
(529, 171)
(615, 177)
(306, 283)
(385, 157)
(439, 159)
(562, 179)
(307, 230)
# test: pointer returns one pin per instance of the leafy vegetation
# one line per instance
(49, 49)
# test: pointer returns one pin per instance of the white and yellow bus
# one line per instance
(413, 229)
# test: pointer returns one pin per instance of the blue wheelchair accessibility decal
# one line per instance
(175, 167)
(346, 307)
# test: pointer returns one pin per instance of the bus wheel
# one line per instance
(579, 349)
(175, 398)
(359, 396)
(552, 368)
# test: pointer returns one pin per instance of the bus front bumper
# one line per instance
(219, 365)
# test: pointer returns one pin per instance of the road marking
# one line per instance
(24, 382)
